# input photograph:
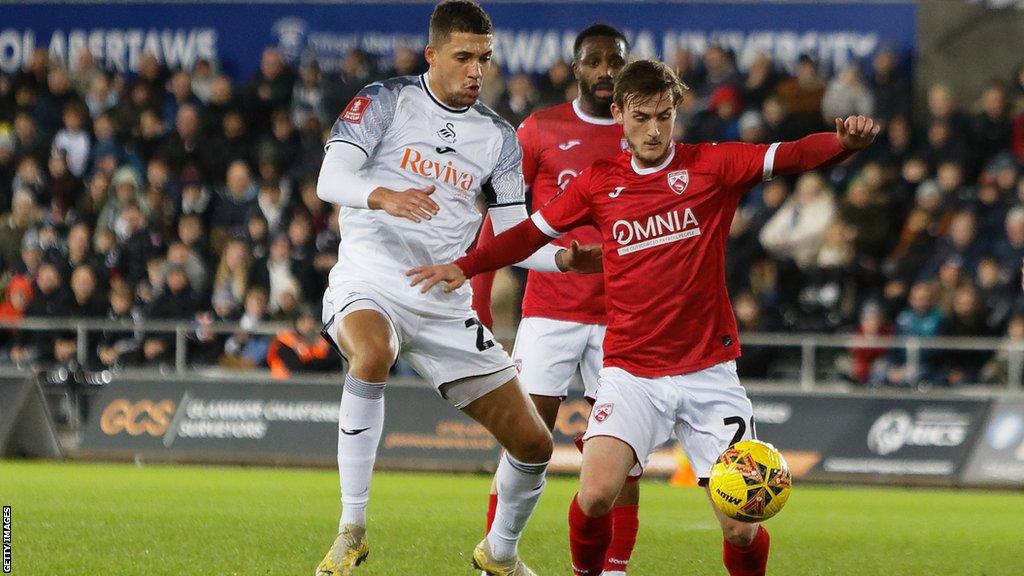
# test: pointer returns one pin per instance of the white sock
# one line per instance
(616, 573)
(360, 422)
(519, 487)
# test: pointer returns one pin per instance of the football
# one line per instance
(750, 482)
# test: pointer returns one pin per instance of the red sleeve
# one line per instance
(570, 208)
(509, 247)
(529, 140)
(808, 153)
(482, 283)
(743, 165)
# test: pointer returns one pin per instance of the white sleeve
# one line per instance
(504, 218)
(339, 182)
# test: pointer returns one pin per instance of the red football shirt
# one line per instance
(664, 232)
(558, 143)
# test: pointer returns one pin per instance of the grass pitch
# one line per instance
(89, 519)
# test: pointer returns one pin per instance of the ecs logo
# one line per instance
(618, 190)
(570, 144)
(137, 418)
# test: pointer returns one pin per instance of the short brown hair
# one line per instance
(646, 78)
(458, 16)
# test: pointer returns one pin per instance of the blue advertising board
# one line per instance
(529, 36)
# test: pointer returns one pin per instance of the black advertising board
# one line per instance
(274, 423)
(864, 438)
(998, 456)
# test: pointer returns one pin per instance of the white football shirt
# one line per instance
(411, 140)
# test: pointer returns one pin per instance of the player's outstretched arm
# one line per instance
(506, 249)
(340, 183)
(824, 148)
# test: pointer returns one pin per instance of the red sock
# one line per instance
(588, 540)
(492, 509)
(625, 523)
(749, 561)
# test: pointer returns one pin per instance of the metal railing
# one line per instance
(180, 329)
(810, 345)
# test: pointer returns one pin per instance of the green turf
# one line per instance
(87, 519)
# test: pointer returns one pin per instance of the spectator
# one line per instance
(126, 191)
(920, 319)
(245, 349)
(179, 94)
(73, 141)
(121, 347)
(78, 252)
(1009, 250)
(17, 296)
(958, 243)
(719, 71)
(203, 75)
(233, 203)
(756, 360)
(100, 97)
(270, 89)
(801, 95)
(232, 277)
(49, 300)
(176, 302)
(276, 272)
(992, 127)
(868, 362)
(846, 95)
(308, 93)
(222, 101)
(890, 88)
(797, 230)
(519, 100)
(301, 349)
(138, 246)
(185, 145)
(14, 225)
(994, 294)
(760, 82)
(196, 198)
(997, 370)
(966, 319)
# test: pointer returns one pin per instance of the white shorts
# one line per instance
(441, 348)
(708, 411)
(548, 352)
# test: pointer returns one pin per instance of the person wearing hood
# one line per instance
(14, 225)
(16, 299)
(233, 201)
(301, 349)
(126, 184)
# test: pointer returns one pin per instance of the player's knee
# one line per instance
(537, 446)
(739, 533)
(372, 362)
(595, 501)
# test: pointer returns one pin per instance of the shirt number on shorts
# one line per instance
(481, 344)
(741, 427)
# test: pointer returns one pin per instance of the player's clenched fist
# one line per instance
(856, 132)
(452, 276)
(412, 203)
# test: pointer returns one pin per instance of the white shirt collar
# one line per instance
(659, 167)
(588, 118)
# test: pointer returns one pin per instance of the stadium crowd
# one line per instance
(184, 195)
